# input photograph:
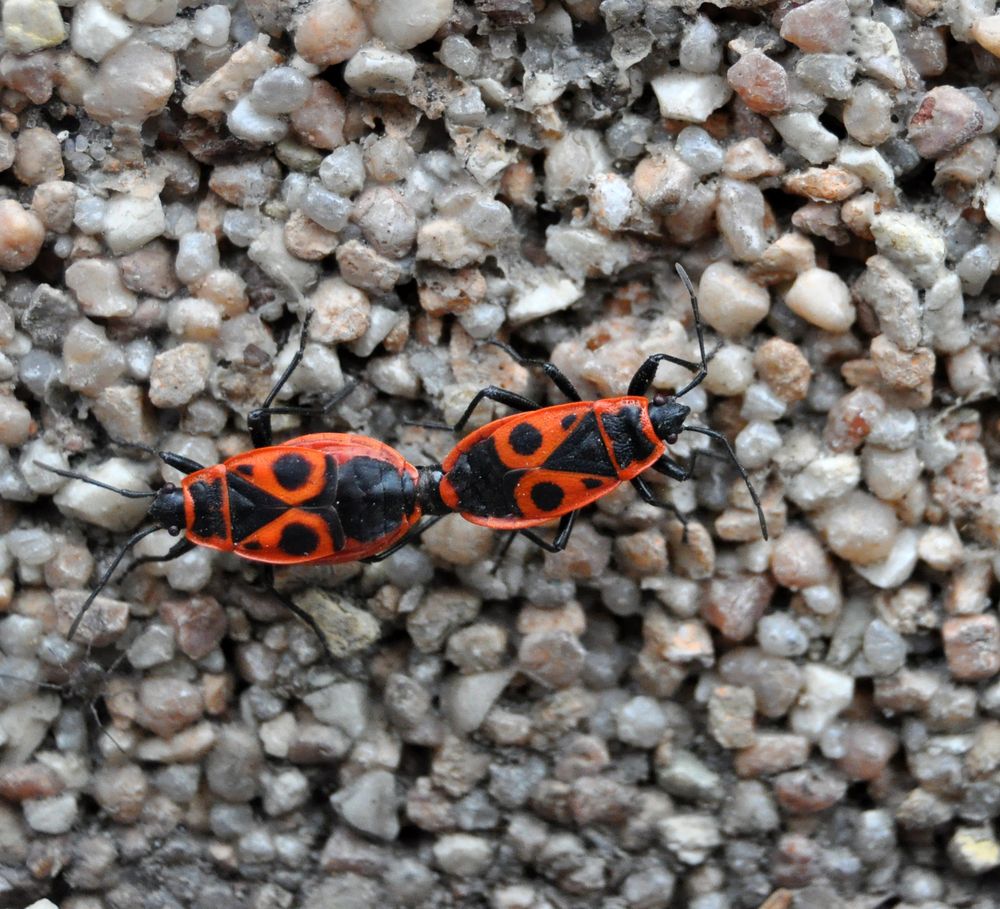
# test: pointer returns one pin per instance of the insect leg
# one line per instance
(643, 378)
(648, 496)
(259, 420)
(501, 396)
(411, 537)
(558, 377)
(175, 551)
(303, 616)
(179, 462)
(562, 534)
(718, 436)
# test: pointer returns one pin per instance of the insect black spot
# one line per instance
(525, 439)
(292, 471)
(591, 482)
(245, 469)
(299, 540)
(547, 496)
(253, 544)
(567, 420)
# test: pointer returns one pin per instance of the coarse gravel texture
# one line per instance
(651, 719)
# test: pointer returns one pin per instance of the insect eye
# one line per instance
(672, 439)
(173, 531)
(659, 400)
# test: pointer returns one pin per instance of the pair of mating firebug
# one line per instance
(339, 497)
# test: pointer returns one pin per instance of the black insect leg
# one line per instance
(298, 611)
(411, 537)
(175, 551)
(558, 377)
(262, 416)
(719, 437)
(501, 396)
(562, 534)
(502, 551)
(178, 462)
(648, 496)
(259, 420)
(643, 378)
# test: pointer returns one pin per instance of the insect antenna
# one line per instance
(106, 577)
(73, 475)
(703, 368)
(732, 456)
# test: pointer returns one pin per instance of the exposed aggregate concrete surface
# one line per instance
(651, 719)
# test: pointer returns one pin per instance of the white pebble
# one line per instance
(90, 361)
(36, 452)
(343, 170)
(897, 566)
(194, 319)
(803, 132)
(15, 421)
(824, 479)
(280, 90)
(378, 69)
(761, 403)
(825, 694)
(941, 548)
(641, 722)
(690, 96)
(211, 25)
(55, 815)
(462, 854)
(699, 151)
(31, 546)
(780, 634)
(730, 302)
(394, 376)
(248, 123)
(96, 31)
(326, 208)
(98, 287)
(131, 221)
(757, 443)
(730, 371)
(610, 200)
(889, 474)
(407, 23)
(197, 255)
(821, 298)
(459, 55)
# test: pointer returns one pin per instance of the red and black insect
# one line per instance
(543, 463)
(316, 499)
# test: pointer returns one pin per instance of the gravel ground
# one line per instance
(646, 720)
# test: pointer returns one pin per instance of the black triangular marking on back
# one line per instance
(250, 507)
(583, 451)
(325, 504)
(509, 483)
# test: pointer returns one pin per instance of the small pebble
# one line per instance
(730, 302)
(21, 236)
(177, 375)
(821, 298)
(211, 25)
(859, 528)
